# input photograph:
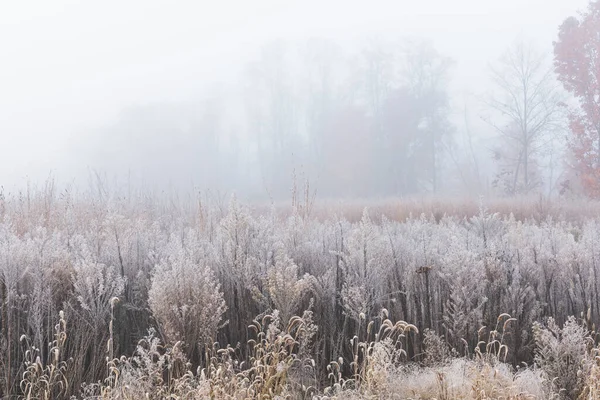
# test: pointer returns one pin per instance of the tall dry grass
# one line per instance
(197, 273)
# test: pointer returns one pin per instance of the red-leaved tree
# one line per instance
(577, 63)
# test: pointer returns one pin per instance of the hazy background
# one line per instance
(73, 75)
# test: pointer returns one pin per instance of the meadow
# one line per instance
(141, 296)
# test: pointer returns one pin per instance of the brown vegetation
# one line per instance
(126, 298)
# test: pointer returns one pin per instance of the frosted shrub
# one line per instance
(356, 301)
(462, 272)
(186, 300)
(487, 226)
(591, 389)
(365, 256)
(152, 372)
(285, 288)
(46, 380)
(236, 232)
(94, 285)
(437, 351)
(562, 354)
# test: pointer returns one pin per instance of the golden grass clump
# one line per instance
(47, 379)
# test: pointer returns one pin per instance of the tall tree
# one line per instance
(577, 63)
(272, 108)
(321, 60)
(376, 79)
(528, 104)
(415, 120)
(426, 74)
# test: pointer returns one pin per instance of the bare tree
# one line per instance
(272, 108)
(321, 60)
(426, 74)
(528, 103)
(465, 159)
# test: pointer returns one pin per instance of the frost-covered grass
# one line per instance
(240, 302)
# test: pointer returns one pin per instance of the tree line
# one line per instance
(380, 121)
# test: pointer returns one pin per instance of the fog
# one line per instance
(251, 97)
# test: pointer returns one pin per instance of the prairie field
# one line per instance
(148, 297)
(300, 200)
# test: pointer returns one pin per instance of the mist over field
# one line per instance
(381, 99)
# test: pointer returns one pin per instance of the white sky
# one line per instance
(67, 67)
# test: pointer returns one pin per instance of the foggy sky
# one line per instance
(69, 67)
